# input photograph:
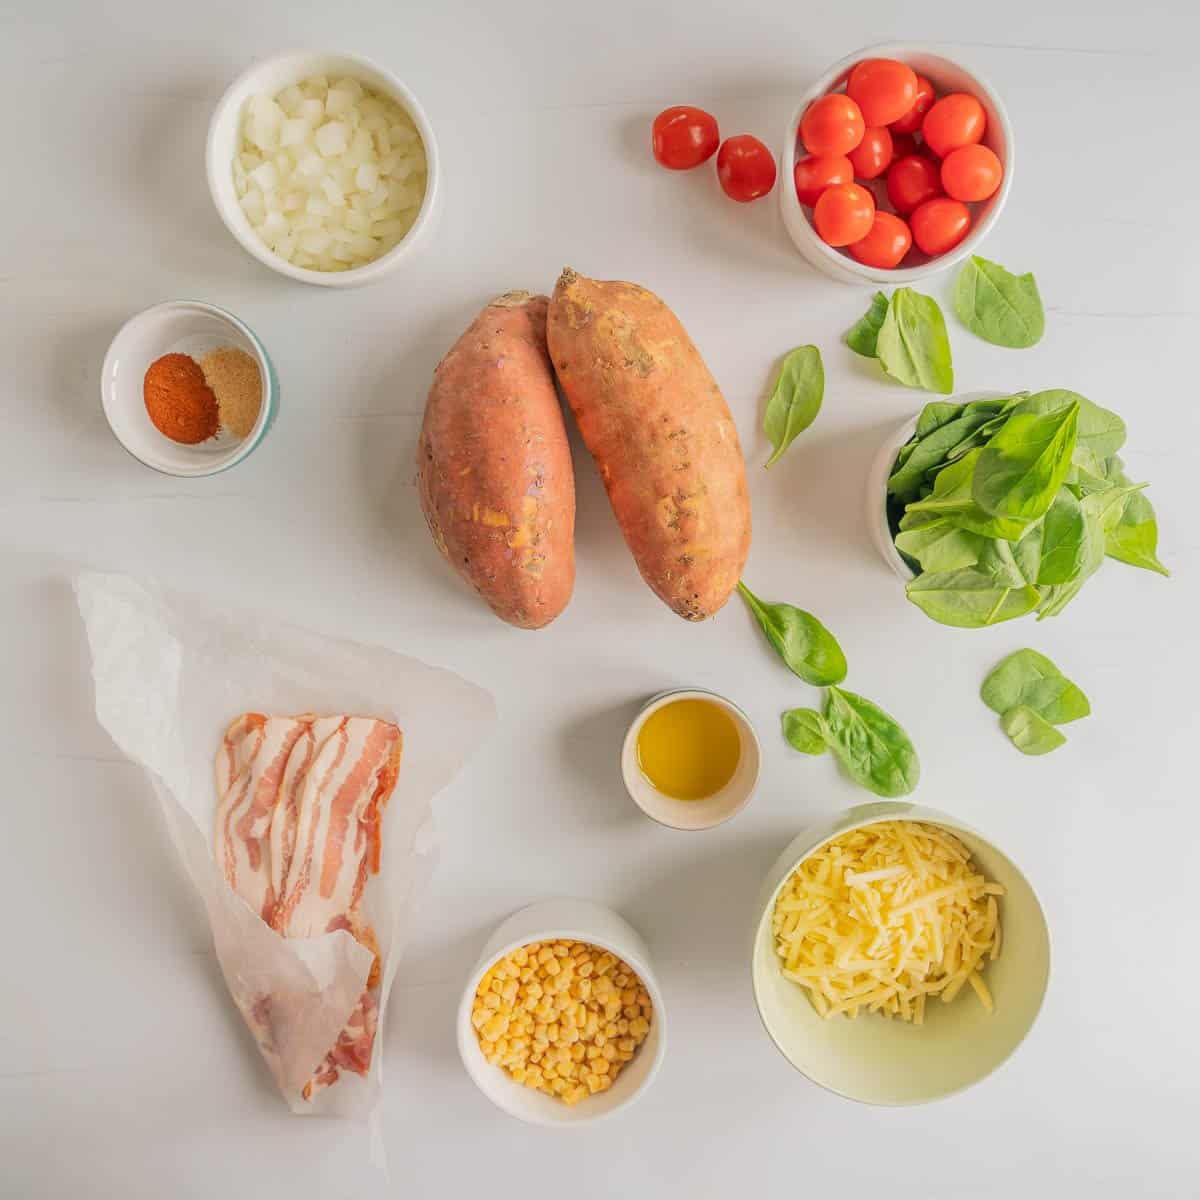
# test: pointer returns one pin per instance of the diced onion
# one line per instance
(330, 174)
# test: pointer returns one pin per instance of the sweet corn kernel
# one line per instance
(601, 1065)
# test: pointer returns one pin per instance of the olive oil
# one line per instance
(689, 749)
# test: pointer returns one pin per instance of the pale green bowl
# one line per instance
(880, 1061)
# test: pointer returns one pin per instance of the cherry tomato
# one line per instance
(886, 244)
(940, 224)
(746, 168)
(683, 137)
(955, 120)
(971, 173)
(872, 156)
(814, 174)
(911, 121)
(903, 144)
(843, 214)
(912, 181)
(883, 88)
(832, 124)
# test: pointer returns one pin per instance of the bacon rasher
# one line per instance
(300, 806)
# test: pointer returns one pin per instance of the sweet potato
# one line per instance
(661, 434)
(494, 467)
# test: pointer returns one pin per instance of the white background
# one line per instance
(124, 1070)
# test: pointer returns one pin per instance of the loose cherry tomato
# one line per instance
(883, 88)
(843, 214)
(940, 224)
(885, 245)
(923, 102)
(903, 144)
(912, 181)
(971, 173)
(746, 168)
(955, 120)
(683, 137)
(832, 124)
(872, 156)
(814, 174)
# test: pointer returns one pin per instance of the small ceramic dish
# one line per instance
(877, 478)
(946, 75)
(270, 77)
(184, 327)
(891, 1062)
(548, 921)
(692, 814)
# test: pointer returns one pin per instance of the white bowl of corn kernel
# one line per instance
(562, 1021)
(866, 924)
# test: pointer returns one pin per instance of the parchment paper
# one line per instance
(170, 674)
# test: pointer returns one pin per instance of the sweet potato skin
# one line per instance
(494, 467)
(661, 434)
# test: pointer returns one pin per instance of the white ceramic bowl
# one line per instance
(581, 921)
(878, 475)
(692, 814)
(946, 75)
(185, 327)
(271, 76)
(890, 1062)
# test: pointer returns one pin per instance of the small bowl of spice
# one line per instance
(188, 388)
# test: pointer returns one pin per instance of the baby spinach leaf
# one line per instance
(871, 745)
(1064, 540)
(969, 599)
(998, 561)
(1029, 678)
(929, 454)
(1021, 469)
(940, 546)
(1002, 308)
(912, 345)
(1133, 539)
(863, 333)
(804, 729)
(795, 399)
(1100, 432)
(1029, 732)
(934, 415)
(951, 497)
(804, 644)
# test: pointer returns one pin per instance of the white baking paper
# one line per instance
(170, 674)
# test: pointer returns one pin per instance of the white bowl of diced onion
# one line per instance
(877, 1060)
(323, 166)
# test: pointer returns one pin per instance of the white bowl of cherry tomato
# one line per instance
(896, 165)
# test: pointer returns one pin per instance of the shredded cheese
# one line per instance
(885, 916)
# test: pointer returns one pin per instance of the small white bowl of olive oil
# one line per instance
(690, 759)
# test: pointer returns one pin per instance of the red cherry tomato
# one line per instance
(814, 174)
(912, 181)
(940, 224)
(903, 144)
(872, 156)
(832, 124)
(923, 102)
(683, 137)
(843, 214)
(971, 173)
(883, 88)
(746, 168)
(886, 244)
(955, 120)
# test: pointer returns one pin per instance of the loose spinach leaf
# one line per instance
(1133, 539)
(804, 644)
(795, 399)
(1002, 308)
(968, 598)
(864, 332)
(940, 546)
(1021, 469)
(1029, 732)
(1064, 541)
(913, 346)
(1029, 678)
(804, 729)
(871, 745)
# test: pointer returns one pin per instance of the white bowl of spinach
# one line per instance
(992, 507)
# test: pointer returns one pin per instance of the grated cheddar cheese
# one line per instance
(883, 918)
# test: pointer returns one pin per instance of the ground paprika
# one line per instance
(178, 401)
